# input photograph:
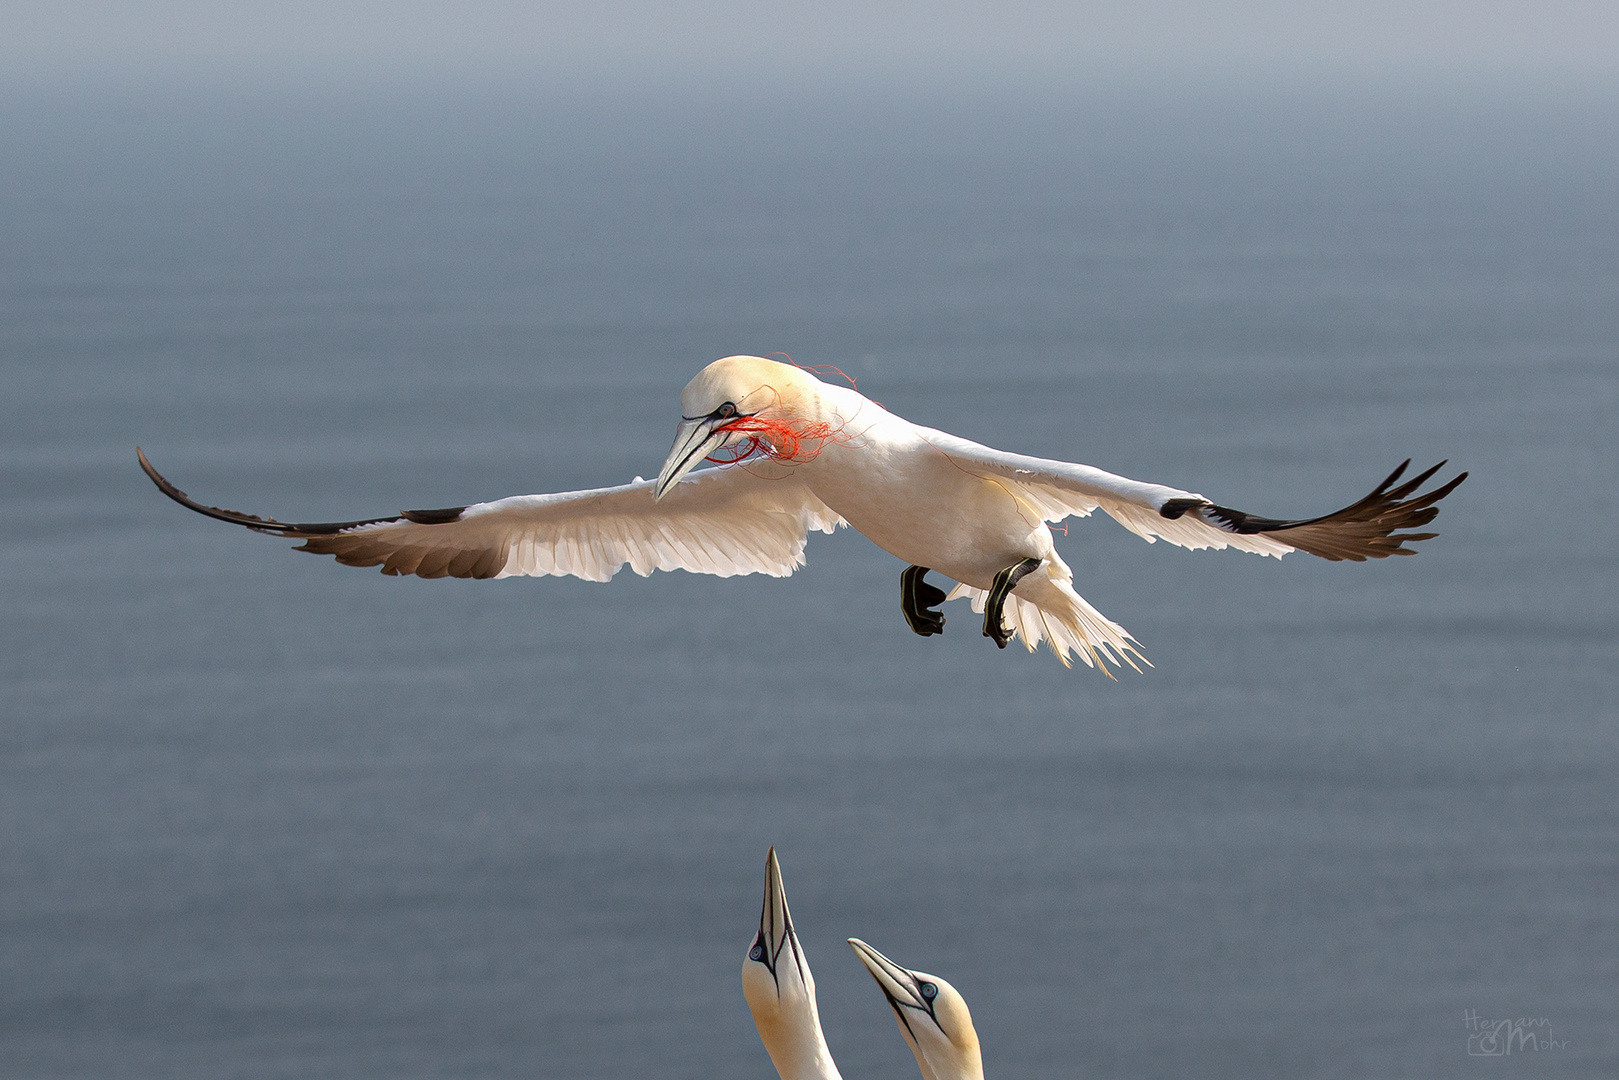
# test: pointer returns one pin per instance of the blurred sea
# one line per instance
(266, 816)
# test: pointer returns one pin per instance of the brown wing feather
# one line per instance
(356, 548)
(398, 557)
(1368, 529)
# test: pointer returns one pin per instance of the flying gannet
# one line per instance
(780, 990)
(933, 1019)
(797, 454)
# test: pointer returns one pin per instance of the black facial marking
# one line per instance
(724, 412)
(899, 1012)
(928, 992)
(765, 951)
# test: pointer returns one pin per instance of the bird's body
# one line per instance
(883, 476)
(892, 481)
(809, 456)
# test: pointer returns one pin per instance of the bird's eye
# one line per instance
(726, 411)
(756, 953)
(930, 991)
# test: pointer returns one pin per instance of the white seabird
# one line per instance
(932, 1016)
(780, 990)
(802, 455)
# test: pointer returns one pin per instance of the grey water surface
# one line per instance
(266, 816)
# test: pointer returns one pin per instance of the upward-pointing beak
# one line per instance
(694, 441)
(775, 921)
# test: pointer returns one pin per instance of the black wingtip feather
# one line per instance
(263, 524)
(1370, 528)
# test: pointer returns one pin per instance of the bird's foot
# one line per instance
(917, 599)
(999, 590)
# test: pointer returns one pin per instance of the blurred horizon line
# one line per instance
(958, 43)
(895, 86)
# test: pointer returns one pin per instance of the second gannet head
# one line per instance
(733, 399)
(780, 990)
(932, 1016)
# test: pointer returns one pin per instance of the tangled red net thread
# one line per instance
(783, 440)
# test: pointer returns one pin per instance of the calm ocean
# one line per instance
(266, 816)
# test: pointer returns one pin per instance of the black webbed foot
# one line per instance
(917, 599)
(999, 589)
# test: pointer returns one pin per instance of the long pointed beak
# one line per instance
(897, 984)
(694, 441)
(775, 921)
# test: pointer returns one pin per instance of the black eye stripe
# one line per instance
(724, 412)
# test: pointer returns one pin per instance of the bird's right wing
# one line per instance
(724, 521)
(1367, 529)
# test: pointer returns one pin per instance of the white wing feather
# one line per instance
(1060, 489)
(724, 521)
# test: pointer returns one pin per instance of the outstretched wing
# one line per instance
(724, 521)
(1373, 528)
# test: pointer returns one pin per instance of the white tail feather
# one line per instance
(1065, 621)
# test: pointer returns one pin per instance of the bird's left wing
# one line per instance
(1372, 528)
(724, 521)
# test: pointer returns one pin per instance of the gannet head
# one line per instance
(780, 991)
(718, 404)
(932, 1017)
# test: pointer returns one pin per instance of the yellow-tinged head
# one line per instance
(933, 1018)
(731, 400)
(780, 990)
(752, 384)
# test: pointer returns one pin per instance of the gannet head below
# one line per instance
(932, 1016)
(780, 991)
(718, 404)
